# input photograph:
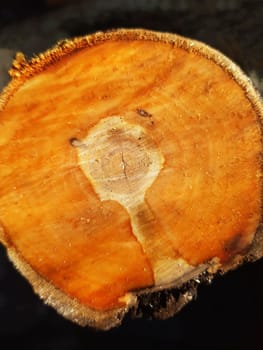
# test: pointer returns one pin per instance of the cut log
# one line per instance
(131, 164)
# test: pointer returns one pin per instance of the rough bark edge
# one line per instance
(65, 305)
(158, 302)
(23, 69)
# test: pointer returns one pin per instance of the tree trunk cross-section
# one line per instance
(130, 163)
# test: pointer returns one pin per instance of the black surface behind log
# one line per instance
(227, 314)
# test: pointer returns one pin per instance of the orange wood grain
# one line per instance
(206, 201)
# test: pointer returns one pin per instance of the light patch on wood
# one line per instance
(121, 167)
(123, 164)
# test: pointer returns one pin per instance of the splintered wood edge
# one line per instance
(73, 310)
(23, 69)
(70, 308)
(65, 305)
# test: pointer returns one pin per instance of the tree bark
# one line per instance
(130, 164)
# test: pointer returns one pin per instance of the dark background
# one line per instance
(227, 315)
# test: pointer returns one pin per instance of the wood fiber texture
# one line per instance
(130, 163)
